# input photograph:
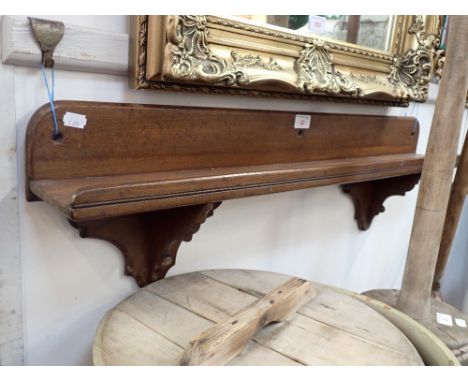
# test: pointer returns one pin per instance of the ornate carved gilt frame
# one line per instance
(227, 55)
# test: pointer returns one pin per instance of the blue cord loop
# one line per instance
(56, 133)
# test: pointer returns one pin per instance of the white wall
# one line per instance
(68, 282)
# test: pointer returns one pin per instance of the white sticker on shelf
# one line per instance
(74, 120)
(444, 319)
(302, 121)
(460, 322)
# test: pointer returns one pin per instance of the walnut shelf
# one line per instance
(146, 177)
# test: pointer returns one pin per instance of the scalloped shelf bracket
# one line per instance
(368, 197)
(149, 241)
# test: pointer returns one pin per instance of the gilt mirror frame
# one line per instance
(229, 55)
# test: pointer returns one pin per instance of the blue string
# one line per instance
(51, 95)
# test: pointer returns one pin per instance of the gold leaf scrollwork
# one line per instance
(367, 79)
(249, 60)
(316, 72)
(412, 72)
(192, 59)
(141, 55)
(439, 62)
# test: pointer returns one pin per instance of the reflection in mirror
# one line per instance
(366, 30)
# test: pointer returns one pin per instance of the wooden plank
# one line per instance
(255, 283)
(126, 341)
(79, 197)
(170, 321)
(155, 138)
(314, 343)
(258, 355)
(11, 305)
(133, 206)
(178, 156)
(93, 191)
(81, 49)
(206, 297)
(216, 301)
(353, 317)
(221, 343)
(177, 307)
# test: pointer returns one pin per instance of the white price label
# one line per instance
(317, 24)
(74, 120)
(302, 121)
(444, 319)
(460, 322)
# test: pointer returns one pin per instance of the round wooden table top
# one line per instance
(155, 325)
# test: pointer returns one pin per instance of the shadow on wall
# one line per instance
(455, 287)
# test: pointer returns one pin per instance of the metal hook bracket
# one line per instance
(48, 34)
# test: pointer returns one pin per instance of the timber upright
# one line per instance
(415, 298)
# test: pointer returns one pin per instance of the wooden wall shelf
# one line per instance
(146, 177)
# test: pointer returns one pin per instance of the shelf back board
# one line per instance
(123, 139)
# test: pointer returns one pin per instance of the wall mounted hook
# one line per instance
(48, 34)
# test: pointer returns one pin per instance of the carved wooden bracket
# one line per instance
(368, 197)
(149, 241)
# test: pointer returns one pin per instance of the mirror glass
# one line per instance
(364, 30)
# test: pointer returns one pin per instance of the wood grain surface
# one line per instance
(122, 139)
(137, 158)
(156, 324)
(224, 341)
(437, 175)
(164, 169)
(455, 206)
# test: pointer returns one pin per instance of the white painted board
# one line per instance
(81, 48)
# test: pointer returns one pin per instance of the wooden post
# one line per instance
(436, 179)
(354, 23)
(455, 206)
(279, 20)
